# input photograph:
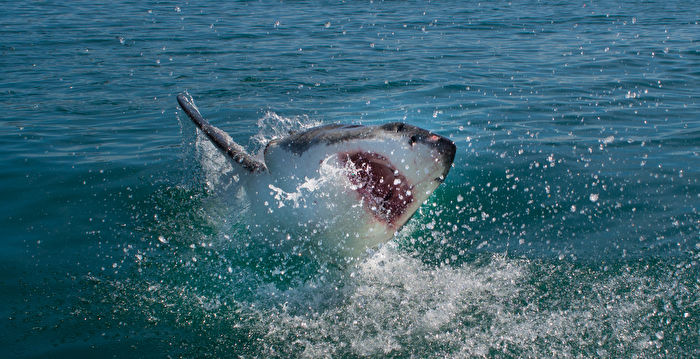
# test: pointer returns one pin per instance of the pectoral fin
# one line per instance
(220, 138)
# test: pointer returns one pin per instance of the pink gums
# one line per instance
(385, 191)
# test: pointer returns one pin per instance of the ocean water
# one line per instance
(568, 226)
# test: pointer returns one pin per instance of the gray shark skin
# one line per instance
(335, 133)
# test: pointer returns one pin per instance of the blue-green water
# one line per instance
(568, 227)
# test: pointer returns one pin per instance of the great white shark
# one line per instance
(351, 186)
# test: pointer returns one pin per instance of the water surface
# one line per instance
(568, 226)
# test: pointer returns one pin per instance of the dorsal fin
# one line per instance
(220, 138)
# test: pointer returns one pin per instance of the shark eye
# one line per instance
(413, 140)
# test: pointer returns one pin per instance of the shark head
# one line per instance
(382, 173)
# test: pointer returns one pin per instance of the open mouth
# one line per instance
(384, 190)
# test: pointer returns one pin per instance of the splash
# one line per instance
(393, 304)
(224, 178)
(273, 126)
(218, 170)
(330, 173)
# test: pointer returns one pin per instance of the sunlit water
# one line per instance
(568, 226)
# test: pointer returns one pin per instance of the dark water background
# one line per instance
(568, 227)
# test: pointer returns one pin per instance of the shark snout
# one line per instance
(444, 151)
(447, 149)
(444, 148)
